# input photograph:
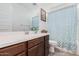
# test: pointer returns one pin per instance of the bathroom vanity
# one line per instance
(32, 45)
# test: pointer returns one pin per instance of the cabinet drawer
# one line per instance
(34, 42)
(13, 50)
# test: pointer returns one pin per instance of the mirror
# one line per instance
(21, 16)
(16, 16)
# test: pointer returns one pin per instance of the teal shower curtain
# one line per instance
(62, 27)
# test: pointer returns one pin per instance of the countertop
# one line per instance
(10, 39)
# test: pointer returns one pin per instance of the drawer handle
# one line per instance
(4, 54)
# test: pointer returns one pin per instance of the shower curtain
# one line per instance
(62, 27)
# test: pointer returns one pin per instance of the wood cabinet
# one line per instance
(13, 50)
(35, 47)
(35, 41)
(46, 42)
(22, 54)
(37, 50)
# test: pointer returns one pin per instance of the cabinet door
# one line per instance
(22, 54)
(37, 50)
(41, 49)
(46, 45)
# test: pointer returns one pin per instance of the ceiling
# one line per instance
(31, 6)
(34, 8)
